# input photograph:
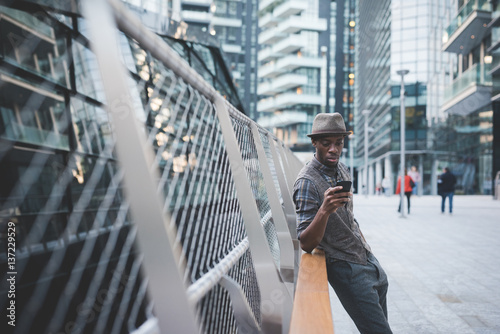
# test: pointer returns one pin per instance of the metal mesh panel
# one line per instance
(198, 187)
(272, 164)
(244, 135)
(214, 308)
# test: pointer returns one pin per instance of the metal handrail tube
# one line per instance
(205, 283)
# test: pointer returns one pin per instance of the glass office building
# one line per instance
(234, 25)
(470, 97)
(399, 35)
(372, 88)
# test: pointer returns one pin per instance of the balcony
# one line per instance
(198, 17)
(290, 44)
(266, 54)
(270, 36)
(469, 92)
(267, 21)
(287, 64)
(283, 119)
(469, 27)
(282, 83)
(264, 4)
(226, 22)
(206, 3)
(231, 48)
(290, 8)
(495, 72)
(295, 24)
(283, 101)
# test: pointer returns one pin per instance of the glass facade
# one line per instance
(235, 28)
(408, 35)
(467, 141)
(373, 74)
(54, 133)
(466, 133)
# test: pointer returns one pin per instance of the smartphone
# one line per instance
(346, 186)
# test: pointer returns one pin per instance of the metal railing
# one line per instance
(191, 229)
(464, 13)
(477, 74)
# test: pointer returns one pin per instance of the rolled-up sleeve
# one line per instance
(306, 199)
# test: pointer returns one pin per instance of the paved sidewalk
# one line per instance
(444, 270)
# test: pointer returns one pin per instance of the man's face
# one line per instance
(328, 149)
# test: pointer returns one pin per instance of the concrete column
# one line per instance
(434, 174)
(371, 180)
(420, 189)
(388, 172)
(481, 61)
(362, 186)
(378, 172)
(361, 181)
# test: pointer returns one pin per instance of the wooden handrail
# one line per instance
(312, 312)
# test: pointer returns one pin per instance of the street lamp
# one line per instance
(402, 73)
(365, 114)
(351, 155)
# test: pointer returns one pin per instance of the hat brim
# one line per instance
(328, 134)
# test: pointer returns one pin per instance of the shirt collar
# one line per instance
(332, 172)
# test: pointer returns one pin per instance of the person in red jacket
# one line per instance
(408, 190)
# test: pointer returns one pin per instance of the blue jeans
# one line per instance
(443, 200)
(362, 290)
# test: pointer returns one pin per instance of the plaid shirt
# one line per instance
(342, 239)
(306, 201)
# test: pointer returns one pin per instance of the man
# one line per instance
(325, 220)
(446, 186)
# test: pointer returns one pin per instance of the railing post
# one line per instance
(289, 207)
(276, 302)
(284, 237)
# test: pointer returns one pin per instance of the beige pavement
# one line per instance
(444, 270)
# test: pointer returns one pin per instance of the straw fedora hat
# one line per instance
(328, 125)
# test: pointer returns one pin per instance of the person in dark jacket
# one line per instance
(446, 188)
(325, 220)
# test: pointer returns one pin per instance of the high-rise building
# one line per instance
(471, 97)
(234, 25)
(291, 63)
(393, 36)
(306, 65)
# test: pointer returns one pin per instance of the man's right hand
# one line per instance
(312, 235)
(333, 199)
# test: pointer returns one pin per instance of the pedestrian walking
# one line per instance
(407, 189)
(415, 176)
(386, 186)
(325, 220)
(446, 188)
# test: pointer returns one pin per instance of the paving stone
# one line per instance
(443, 271)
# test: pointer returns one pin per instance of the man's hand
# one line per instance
(312, 235)
(334, 199)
